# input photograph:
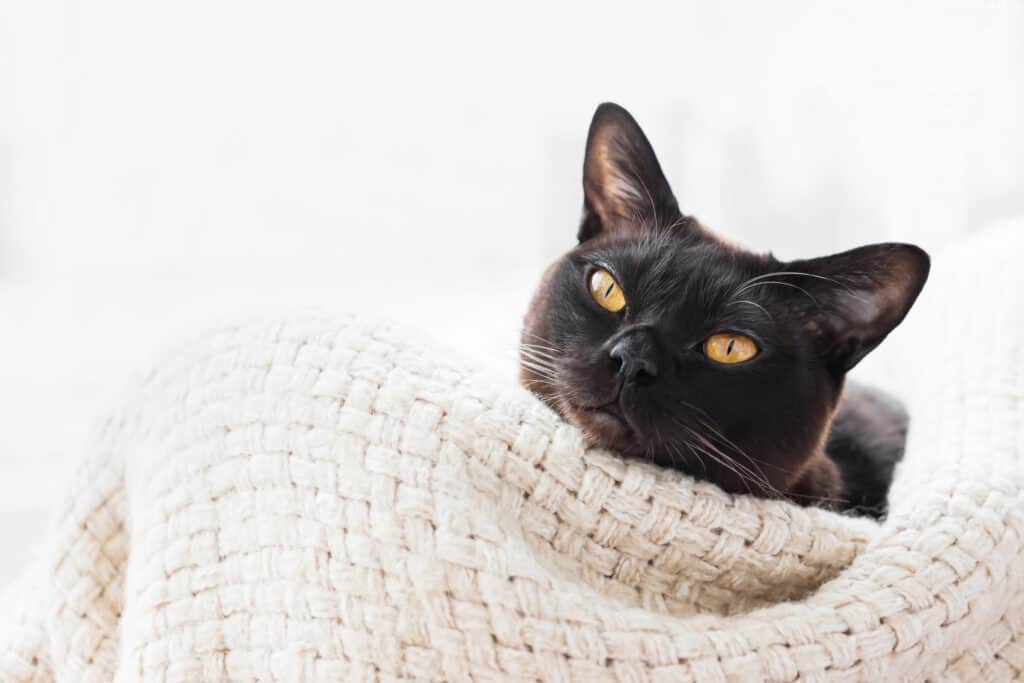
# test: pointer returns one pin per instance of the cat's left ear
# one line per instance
(624, 189)
(850, 302)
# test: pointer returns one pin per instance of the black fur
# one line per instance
(866, 441)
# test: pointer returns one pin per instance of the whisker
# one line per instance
(537, 353)
(755, 304)
(724, 463)
(696, 457)
(754, 460)
(695, 408)
(763, 478)
(530, 381)
(537, 347)
(739, 450)
(754, 463)
(537, 360)
(784, 273)
(673, 448)
(811, 496)
(546, 342)
(541, 370)
(780, 283)
(547, 347)
(740, 469)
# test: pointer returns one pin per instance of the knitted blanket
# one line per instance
(317, 500)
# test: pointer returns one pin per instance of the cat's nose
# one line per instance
(634, 359)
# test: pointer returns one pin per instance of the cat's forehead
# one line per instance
(683, 286)
(661, 265)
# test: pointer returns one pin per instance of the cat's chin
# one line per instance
(605, 428)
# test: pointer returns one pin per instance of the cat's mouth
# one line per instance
(605, 426)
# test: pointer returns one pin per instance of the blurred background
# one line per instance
(165, 165)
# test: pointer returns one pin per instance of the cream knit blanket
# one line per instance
(319, 500)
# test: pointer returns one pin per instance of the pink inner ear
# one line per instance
(861, 307)
(613, 184)
(862, 313)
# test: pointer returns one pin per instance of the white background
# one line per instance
(165, 164)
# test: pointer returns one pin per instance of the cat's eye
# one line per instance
(730, 348)
(606, 291)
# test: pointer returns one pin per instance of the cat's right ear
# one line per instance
(849, 302)
(624, 189)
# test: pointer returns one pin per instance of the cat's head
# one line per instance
(662, 341)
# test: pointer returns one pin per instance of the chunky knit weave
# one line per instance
(314, 500)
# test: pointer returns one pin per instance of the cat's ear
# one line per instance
(849, 302)
(623, 186)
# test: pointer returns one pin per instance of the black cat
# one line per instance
(662, 341)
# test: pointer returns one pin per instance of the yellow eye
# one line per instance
(730, 348)
(606, 291)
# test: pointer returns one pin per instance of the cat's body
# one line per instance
(664, 342)
(866, 440)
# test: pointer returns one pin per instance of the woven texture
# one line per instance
(316, 500)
